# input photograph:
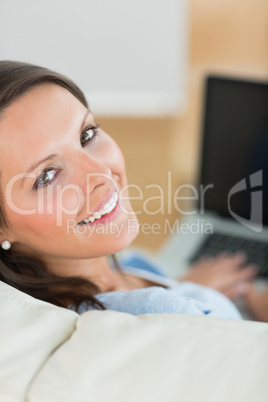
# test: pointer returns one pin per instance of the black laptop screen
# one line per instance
(235, 146)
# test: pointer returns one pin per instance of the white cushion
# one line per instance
(30, 330)
(49, 354)
(118, 357)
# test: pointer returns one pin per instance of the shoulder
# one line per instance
(151, 300)
(186, 298)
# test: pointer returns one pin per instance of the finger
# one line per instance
(237, 291)
(240, 256)
(217, 262)
(224, 254)
(224, 257)
(225, 279)
(247, 272)
(205, 260)
(236, 277)
(231, 263)
(236, 258)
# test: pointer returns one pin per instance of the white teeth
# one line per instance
(106, 209)
(106, 206)
(110, 209)
(111, 202)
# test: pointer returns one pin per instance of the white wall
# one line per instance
(129, 56)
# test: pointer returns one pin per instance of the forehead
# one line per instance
(47, 102)
(33, 124)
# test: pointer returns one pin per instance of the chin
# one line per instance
(121, 241)
(124, 240)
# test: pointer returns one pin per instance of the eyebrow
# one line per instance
(51, 156)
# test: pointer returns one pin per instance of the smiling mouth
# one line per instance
(106, 209)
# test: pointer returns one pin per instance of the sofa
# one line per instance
(51, 354)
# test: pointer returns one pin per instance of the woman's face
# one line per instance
(75, 173)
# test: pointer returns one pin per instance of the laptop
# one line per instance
(231, 208)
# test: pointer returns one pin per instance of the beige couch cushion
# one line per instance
(118, 357)
(49, 354)
(30, 330)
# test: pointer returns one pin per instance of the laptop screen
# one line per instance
(234, 159)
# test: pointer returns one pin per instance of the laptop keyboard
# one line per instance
(256, 251)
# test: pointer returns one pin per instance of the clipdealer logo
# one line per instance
(256, 201)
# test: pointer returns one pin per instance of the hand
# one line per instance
(229, 274)
(257, 303)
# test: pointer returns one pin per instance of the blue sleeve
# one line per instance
(187, 298)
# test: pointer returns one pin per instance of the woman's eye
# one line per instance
(88, 134)
(47, 177)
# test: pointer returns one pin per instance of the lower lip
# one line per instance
(108, 217)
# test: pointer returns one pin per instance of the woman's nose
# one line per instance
(93, 174)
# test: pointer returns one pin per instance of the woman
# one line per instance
(65, 209)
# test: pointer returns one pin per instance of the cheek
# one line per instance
(111, 155)
(69, 200)
(52, 209)
(33, 227)
(117, 158)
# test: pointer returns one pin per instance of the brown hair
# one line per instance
(24, 272)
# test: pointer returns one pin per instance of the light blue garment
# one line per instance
(181, 298)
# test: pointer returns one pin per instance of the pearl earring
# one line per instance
(6, 245)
